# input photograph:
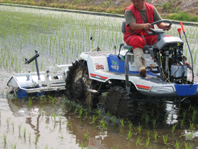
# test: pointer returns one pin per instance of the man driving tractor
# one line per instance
(139, 16)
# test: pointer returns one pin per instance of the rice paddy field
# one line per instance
(52, 122)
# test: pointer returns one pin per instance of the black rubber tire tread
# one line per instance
(71, 74)
(119, 103)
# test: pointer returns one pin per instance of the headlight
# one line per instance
(162, 89)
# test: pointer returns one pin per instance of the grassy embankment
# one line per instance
(169, 10)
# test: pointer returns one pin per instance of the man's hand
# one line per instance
(147, 26)
(166, 27)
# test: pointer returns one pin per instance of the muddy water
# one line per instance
(44, 124)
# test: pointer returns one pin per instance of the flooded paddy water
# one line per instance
(52, 122)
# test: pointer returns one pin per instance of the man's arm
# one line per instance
(158, 17)
(130, 21)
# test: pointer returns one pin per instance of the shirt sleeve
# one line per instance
(156, 15)
(129, 17)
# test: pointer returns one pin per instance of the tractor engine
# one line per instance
(170, 59)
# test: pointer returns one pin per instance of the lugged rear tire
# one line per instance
(119, 103)
(77, 82)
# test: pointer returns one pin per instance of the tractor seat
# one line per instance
(126, 47)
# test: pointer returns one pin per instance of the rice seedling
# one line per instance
(139, 128)
(191, 126)
(194, 115)
(173, 128)
(155, 136)
(46, 146)
(52, 99)
(114, 120)
(60, 119)
(181, 123)
(165, 138)
(147, 142)
(86, 135)
(71, 127)
(154, 121)
(80, 112)
(139, 140)
(36, 139)
(130, 125)
(4, 139)
(7, 121)
(76, 110)
(19, 126)
(184, 114)
(178, 144)
(54, 115)
(13, 146)
(29, 136)
(29, 102)
(13, 126)
(188, 145)
(94, 118)
(130, 133)
(24, 132)
(122, 123)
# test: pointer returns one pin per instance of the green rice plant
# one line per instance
(184, 114)
(191, 126)
(80, 112)
(194, 115)
(155, 136)
(57, 103)
(19, 126)
(130, 125)
(29, 102)
(130, 133)
(76, 110)
(147, 142)
(114, 147)
(60, 119)
(139, 140)
(94, 119)
(86, 135)
(181, 123)
(139, 128)
(173, 128)
(99, 113)
(114, 120)
(24, 132)
(178, 144)
(86, 114)
(52, 99)
(71, 127)
(36, 139)
(29, 136)
(109, 115)
(7, 121)
(165, 138)
(154, 121)
(188, 145)
(54, 115)
(13, 146)
(122, 123)
(46, 146)
(4, 139)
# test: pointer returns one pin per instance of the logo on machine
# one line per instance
(115, 65)
(99, 67)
